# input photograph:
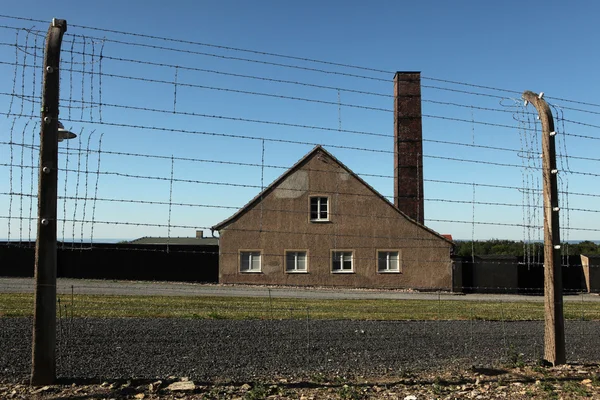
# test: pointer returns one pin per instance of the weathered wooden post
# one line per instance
(554, 334)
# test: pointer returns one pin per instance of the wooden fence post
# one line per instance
(554, 332)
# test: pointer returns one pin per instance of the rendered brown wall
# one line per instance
(360, 221)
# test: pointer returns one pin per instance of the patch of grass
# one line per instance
(515, 358)
(257, 392)
(107, 306)
(350, 392)
(216, 315)
(548, 388)
(575, 388)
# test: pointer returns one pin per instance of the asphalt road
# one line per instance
(136, 288)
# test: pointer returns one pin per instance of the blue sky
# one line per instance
(540, 46)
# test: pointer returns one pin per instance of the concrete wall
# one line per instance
(359, 221)
(591, 273)
(496, 274)
(118, 261)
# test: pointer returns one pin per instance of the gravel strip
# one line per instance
(208, 350)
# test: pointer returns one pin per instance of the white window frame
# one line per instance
(296, 254)
(344, 253)
(252, 254)
(388, 268)
(319, 208)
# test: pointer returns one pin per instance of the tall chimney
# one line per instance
(408, 145)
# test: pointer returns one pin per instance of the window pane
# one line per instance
(348, 261)
(382, 261)
(289, 261)
(301, 261)
(323, 208)
(314, 208)
(255, 261)
(336, 261)
(394, 261)
(245, 261)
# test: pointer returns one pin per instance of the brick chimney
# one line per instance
(408, 145)
(199, 234)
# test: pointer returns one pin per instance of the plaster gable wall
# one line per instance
(359, 221)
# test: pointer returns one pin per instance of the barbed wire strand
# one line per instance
(15, 71)
(23, 68)
(308, 59)
(21, 179)
(170, 202)
(100, 81)
(86, 178)
(34, 74)
(78, 173)
(32, 179)
(71, 59)
(83, 66)
(10, 174)
(95, 199)
(66, 171)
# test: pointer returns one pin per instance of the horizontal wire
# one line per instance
(157, 225)
(145, 62)
(277, 123)
(281, 167)
(180, 180)
(294, 58)
(504, 110)
(565, 228)
(471, 85)
(230, 228)
(263, 53)
(200, 205)
(147, 127)
(332, 103)
(217, 72)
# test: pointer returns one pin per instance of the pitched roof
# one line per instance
(314, 152)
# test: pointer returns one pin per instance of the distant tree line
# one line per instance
(519, 248)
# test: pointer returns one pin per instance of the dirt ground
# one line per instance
(516, 382)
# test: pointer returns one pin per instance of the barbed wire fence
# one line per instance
(175, 136)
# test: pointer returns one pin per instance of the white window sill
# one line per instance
(296, 272)
(388, 272)
(251, 272)
(321, 221)
(342, 272)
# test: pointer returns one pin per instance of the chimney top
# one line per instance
(199, 234)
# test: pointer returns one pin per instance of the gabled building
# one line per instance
(321, 224)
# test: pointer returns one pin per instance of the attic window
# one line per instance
(319, 209)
